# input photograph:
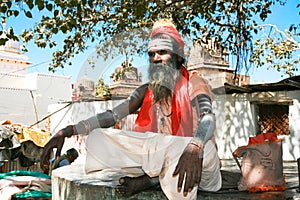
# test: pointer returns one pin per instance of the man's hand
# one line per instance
(189, 167)
(57, 141)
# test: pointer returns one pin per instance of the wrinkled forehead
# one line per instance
(162, 42)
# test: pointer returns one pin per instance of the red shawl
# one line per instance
(182, 121)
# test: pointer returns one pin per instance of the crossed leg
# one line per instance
(156, 154)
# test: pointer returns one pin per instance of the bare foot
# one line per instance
(130, 186)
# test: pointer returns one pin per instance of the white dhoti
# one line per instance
(152, 153)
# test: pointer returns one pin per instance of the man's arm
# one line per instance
(110, 117)
(189, 167)
(206, 119)
(101, 120)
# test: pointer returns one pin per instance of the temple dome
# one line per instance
(10, 45)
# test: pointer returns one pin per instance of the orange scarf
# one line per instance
(182, 121)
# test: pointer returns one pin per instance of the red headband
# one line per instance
(171, 31)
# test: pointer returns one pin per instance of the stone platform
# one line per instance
(71, 183)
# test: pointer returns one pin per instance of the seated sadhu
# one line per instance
(172, 142)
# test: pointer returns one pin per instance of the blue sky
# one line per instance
(282, 17)
(40, 58)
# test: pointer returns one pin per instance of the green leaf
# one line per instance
(30, 4)
(40, 4)
(49, 7)
(9, 13)
(3, 41)
(56, 12)
(64, 29)
(54, 30)
(8, 4)
(28, 14)
(16, 13)
(3, 8)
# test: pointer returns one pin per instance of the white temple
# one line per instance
(11, 59)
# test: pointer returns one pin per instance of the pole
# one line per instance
(298, 163)
(34, 105)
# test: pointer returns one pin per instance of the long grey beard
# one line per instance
(163, 78)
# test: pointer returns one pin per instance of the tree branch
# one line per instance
(288, 38)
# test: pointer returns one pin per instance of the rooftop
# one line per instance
(292, 83)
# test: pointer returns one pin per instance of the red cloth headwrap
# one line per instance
(171, 31)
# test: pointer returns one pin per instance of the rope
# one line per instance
(51, 114)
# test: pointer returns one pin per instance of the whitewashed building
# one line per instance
(245, 111)
(25, 96)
